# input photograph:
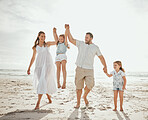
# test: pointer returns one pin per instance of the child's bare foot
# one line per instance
(63, 86)
(77, 106)
(59, 86)
(86, 101)
(115, 109)
(121, 109)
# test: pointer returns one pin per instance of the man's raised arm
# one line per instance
(71, 39)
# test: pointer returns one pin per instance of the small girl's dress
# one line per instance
(44, 73)
(118, 80)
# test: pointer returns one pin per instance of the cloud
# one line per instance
(119, 26)
(20, 14)
(141, 6)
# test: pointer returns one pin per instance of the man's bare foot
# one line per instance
(115, 109)
(77, 106)
(86, 101)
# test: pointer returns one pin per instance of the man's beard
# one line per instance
(88, 42)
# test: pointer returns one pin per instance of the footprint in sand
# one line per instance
(108, 107)
(66, 101)
(61, 103)
(10, 106)
(27, 99)
(31, 96)
(101, 107)
(27, 89)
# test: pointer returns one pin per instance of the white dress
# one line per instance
(44, 73)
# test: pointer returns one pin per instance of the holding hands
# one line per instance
(66, 26)
(105, 69)
(54, 30)
(123, 88)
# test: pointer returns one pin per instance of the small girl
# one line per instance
(44, 73)
(119, 83)
(61, 58)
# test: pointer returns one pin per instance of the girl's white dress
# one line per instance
(44, 73)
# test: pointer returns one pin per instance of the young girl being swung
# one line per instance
(61, 58)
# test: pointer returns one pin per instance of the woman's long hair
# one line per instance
(37, 40)
(120, 64)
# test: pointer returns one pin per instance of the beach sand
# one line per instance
(18, 99)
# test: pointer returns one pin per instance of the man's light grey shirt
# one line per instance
(86, 54)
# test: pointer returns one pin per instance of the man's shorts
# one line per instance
(84, 75)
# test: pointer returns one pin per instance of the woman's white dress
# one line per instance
(44, 73)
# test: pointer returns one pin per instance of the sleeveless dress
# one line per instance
(44, 73)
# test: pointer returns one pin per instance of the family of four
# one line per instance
(44, 80)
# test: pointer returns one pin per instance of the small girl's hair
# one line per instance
(62, 35)
(120, 64)
(37, 40)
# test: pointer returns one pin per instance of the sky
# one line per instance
(120, 29)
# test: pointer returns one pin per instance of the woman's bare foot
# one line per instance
(37, 106)
(86, 101)
(115, 109)
(49, 98)
(77, 106)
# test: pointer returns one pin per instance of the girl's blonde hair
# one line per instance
(37, 40)
(120, 64)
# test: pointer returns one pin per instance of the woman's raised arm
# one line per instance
(49, 43)
(55, 34)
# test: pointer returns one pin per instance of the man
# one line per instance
(85, 59)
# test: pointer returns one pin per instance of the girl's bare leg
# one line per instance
(38, 102)
(64, 73)
(121, 100)
(58, 73)
(115, 99)
(49, 98)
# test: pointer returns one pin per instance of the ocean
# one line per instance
(22, 73)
